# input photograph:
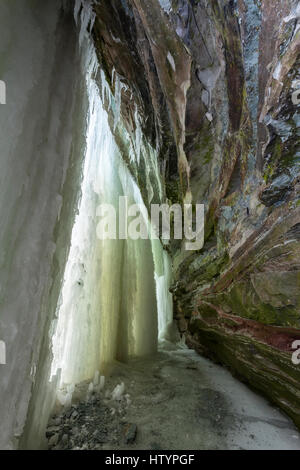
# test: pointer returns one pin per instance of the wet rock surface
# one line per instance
(277, 191)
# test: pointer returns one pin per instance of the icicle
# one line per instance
(119, 87)
(77, 7)
(105, 90)
(113, 76)
(92, 22)
(138, 135)
(87, 18)
(118, 91)
(163, 279)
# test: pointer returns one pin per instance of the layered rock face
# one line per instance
(238, 300)
(215, 85)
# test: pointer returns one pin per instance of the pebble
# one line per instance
(130, 433)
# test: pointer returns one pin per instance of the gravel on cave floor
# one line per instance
(176, 400)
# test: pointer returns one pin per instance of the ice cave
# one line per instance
(136, 342)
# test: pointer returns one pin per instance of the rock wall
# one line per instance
(42, 147)
(238, 300)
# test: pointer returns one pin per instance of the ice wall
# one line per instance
(92, 278)
(139, 302)
(108, 304)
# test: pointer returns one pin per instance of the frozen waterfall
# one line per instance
(112, 288)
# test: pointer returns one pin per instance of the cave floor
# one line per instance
(176, 400)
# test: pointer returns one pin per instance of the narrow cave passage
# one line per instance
(119, 344)
(174, 400)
